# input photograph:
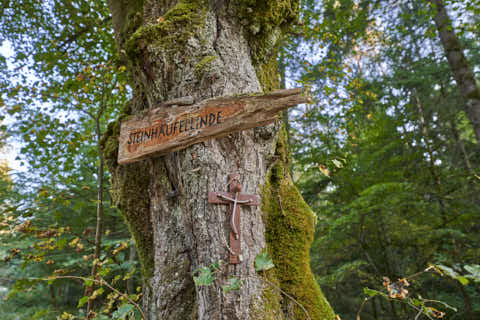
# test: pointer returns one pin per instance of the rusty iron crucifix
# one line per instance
(235, 199)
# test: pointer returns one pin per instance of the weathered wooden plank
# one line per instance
(166, 129)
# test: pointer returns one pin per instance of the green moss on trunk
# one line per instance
(129, 192)
(266, 22)
(289, 221)
(130, 183)
(203, 67)
(271, 308)
(289, 233)
(171, 31)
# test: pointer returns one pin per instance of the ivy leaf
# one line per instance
(216, 265)
(263, 262)
(235, 284)
(205, 277)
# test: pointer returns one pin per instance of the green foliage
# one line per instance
(61, 86)
(123, 311)
(386, 156)
(235, 284)
(263, 262)
(205, 277)
(397, 293)
(473, 273)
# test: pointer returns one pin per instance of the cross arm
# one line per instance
(221, 198)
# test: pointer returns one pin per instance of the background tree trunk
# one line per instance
(206, 49)
(462, 72)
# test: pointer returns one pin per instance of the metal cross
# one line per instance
(234, 198)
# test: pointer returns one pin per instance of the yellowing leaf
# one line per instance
(67, 316)
(74, 242)
(324, 170)
(96, 293)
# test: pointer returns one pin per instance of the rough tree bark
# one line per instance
(204, 49)
(462, 72)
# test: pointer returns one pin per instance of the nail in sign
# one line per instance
(165, 129)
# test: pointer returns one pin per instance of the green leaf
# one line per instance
(474, 271)
(88, 282)
(205, 277)
(216, 265)
(51, 280)
(416, 302)
(464, 281)
(121, 256)
(337, 163)
(123, 311)
(40, 314)
(61, 243)
(448, 271)
(104, 271)
(235, 284)
(82, 301)
(263, 262)
(370, 292)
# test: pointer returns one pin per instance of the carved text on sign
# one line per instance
(174, 128)
(166, 129)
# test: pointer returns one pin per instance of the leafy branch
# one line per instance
(396, 291)
(89, 282)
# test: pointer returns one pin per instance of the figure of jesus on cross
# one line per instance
(235, 199)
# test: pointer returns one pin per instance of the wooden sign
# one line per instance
(166, 128)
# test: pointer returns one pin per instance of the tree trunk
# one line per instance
(462, 72)
(206, 49)
(99, 226)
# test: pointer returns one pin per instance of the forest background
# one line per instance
(387, 156)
